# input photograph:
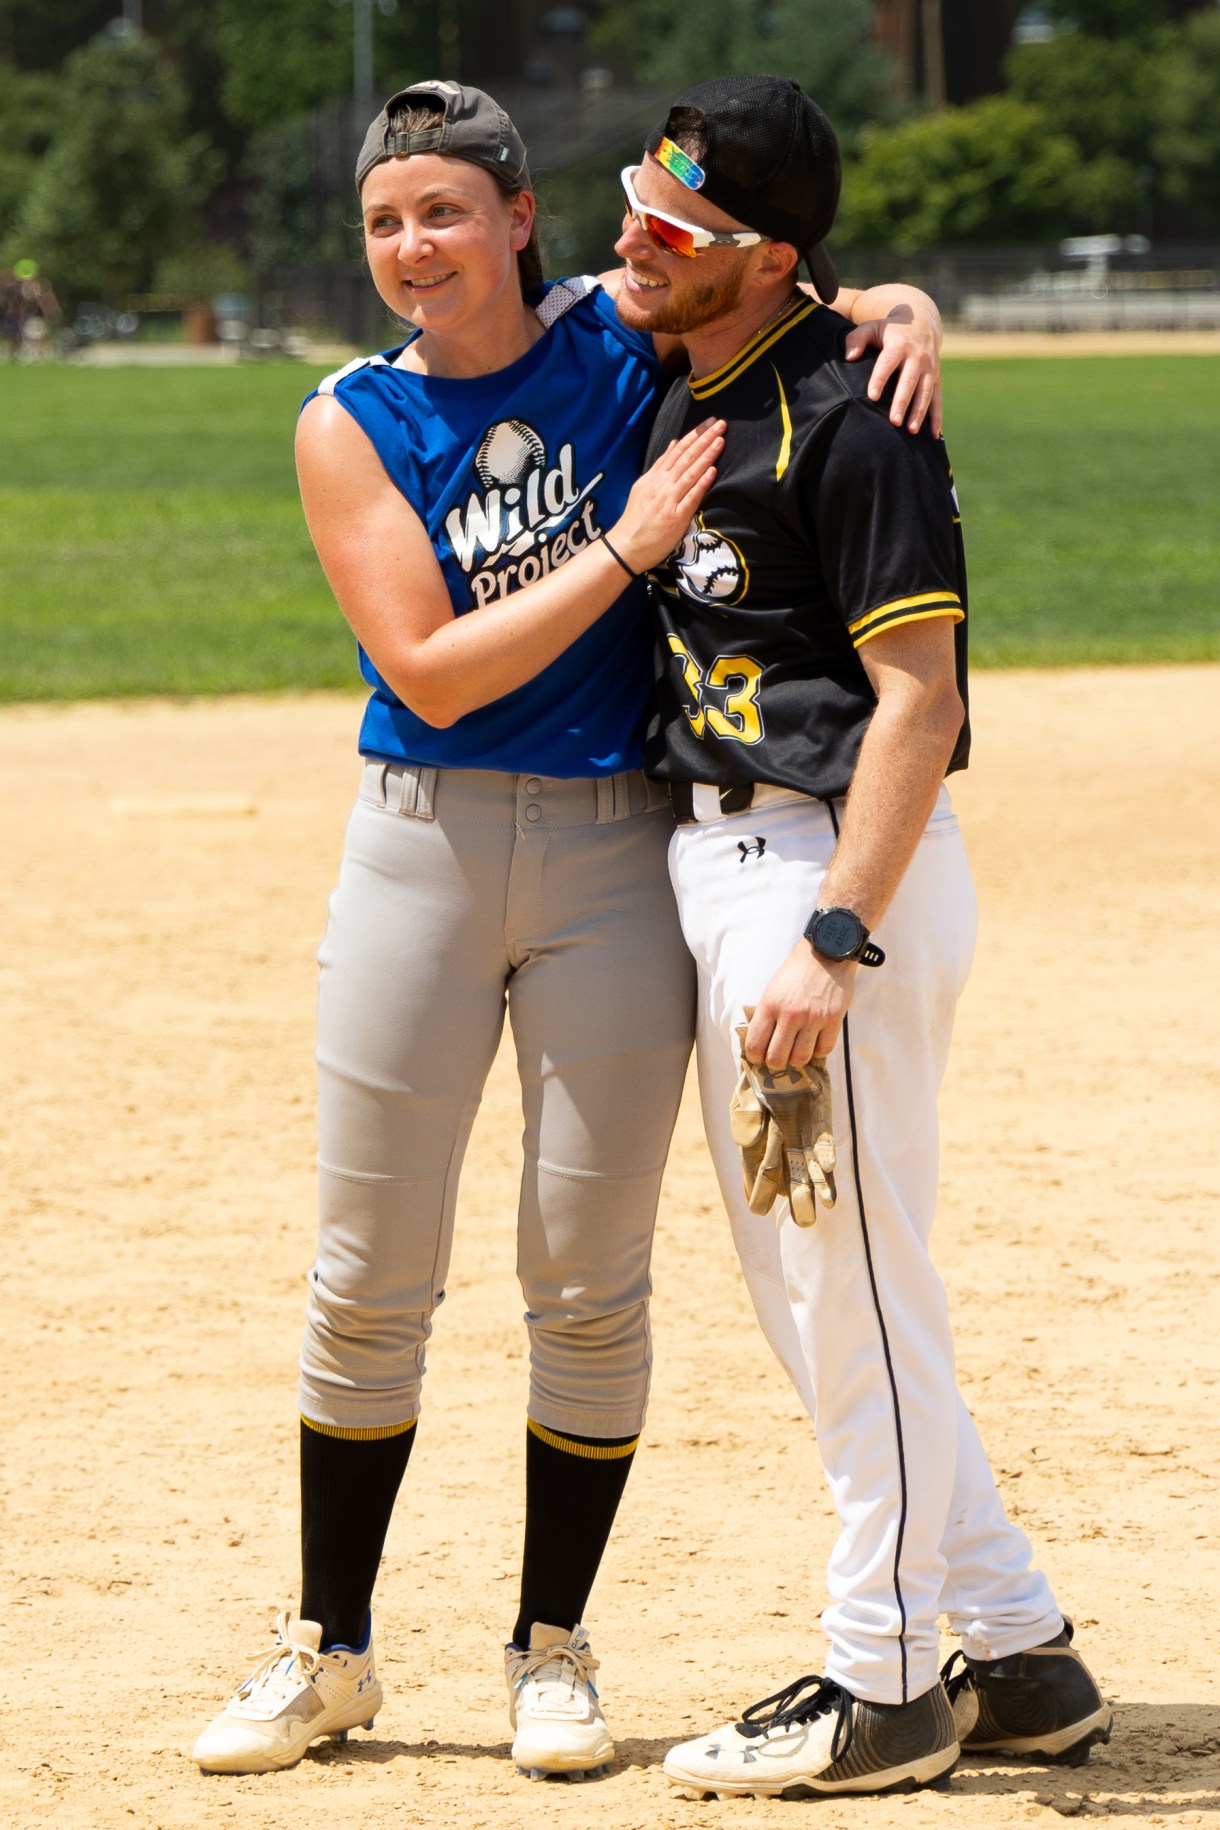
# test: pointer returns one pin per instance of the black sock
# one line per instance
(348, 1489)
(573, 1485)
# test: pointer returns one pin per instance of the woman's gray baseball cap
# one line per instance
(472, 127)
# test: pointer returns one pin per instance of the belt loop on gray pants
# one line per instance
(418, 792)
(613, 799)
(406, 788)
(616, 793)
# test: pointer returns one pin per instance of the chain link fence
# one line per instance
(309, 282)
(1164, 286)
(1172, 287)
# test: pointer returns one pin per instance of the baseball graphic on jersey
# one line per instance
(508, 451)
(709, 567)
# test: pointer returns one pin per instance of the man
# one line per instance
(812, 700)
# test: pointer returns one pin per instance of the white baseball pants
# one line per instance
(853, 1307)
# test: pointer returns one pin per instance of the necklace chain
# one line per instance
(776, 314)
(754, 335)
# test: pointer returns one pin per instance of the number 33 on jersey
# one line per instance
(725, 699)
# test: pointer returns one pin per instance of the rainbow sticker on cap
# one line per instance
(680, 165)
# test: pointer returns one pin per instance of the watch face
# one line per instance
(837, 934)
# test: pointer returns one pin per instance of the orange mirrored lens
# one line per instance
(665, 235)
(668, 236)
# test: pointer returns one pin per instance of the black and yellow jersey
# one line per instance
(825, 525)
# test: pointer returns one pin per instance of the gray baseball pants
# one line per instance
(463, 893)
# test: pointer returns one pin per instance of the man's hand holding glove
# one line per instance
(781, 1124)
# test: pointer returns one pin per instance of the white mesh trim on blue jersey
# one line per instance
(329, 384)
(562, 296)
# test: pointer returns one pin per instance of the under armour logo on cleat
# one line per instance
(751, 851)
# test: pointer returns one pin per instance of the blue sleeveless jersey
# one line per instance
(511, 474)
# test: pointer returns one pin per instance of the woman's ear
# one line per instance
(521, 219)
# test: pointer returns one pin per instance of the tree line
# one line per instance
(165, 159)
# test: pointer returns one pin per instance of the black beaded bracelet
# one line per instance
(606, 543)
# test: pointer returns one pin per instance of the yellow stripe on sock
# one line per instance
(588, 1451)
(377, 1432)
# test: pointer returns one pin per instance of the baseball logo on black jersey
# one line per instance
(526, 518)
(709, 567)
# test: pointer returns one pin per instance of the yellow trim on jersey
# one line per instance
(758, 345)
(785, 444)
(378, 1432)
(912, 616)
(949, 599)
(587, 1451)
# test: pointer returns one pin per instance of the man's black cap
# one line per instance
(771, 161)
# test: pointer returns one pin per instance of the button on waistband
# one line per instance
(533, 785)
(533, 811)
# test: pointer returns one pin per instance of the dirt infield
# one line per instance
(166, 868)
(1081, 342)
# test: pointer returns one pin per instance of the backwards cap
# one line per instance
(771, 161)
(472, 126)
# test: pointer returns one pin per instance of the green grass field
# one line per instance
(1088, 492)
(151, 541)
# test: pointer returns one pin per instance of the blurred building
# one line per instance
(952, 51)
(944, 50)
(491, 42)
(947, 50)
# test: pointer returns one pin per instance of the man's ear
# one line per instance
(775, 261)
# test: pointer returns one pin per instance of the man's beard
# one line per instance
(689, 310)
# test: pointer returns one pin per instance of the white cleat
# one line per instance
(295, 1695)
(815, 1738)
(553, 1705)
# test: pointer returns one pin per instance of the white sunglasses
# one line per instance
(671, 234)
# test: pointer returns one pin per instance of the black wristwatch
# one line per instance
(839, 935)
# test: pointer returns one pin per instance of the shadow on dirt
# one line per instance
(1163, 1755)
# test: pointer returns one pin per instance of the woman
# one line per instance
(504, 851)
